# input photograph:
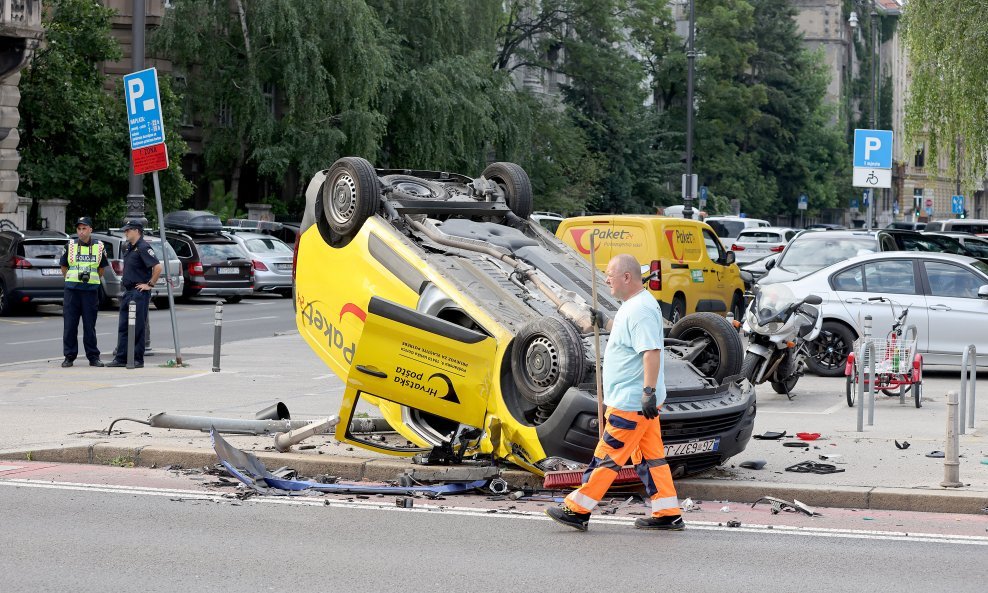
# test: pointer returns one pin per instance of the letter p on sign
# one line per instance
(871, 145)
(135, 90)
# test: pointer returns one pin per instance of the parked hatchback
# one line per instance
(29, 270)
(729, 227)
(272, 261)
(113, 240)
(213, 263)
(756, 243)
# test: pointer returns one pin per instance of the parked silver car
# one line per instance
(113, 240)
(947, 296)
(272, 261)
(29, 270)
(757, 242)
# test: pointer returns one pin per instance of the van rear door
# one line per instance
(418, 361)
(578, 237)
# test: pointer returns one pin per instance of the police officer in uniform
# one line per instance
(82, 264)
(141, 271)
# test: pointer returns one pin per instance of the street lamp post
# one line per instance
(135, 195)
(852, 22)
(875, 65)
(690, 65)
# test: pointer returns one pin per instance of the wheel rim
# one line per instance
(542, 362)
(831, 350)
(343, 204)
(708, 360)
(412, 188)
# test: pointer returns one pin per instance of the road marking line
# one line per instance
(49, 340)
(484, 513)
(225, 321)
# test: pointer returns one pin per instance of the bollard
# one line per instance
(865, 353)
(969, 372)
(951, 460)
(131, 332)
(217, 334)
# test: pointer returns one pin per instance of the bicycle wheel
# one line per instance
(852, 389)
(918, 394)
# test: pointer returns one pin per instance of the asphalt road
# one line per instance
(37, 335)
(78, 537)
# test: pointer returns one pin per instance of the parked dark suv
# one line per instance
(213, 263)
(29, 270)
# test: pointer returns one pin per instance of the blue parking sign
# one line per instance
(147, 127)
(873, 149)
(957, 204)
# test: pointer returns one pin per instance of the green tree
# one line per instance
(947, 51)
(280, 86)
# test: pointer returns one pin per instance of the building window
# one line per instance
(269, 95)
(182, 88)
(224, 115)
(919, 161)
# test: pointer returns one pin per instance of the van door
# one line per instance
(717, 291)
(578, 237)
(683, 252)
(418, 361)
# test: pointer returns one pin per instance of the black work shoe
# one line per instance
(563, 515)
(114, 363)
(96, 363)
(66, 363)
(138, 365)
(673, 523)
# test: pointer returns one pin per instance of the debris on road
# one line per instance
(770, 435)
(688, 506)
(902, 445)
(798, 444)
(779, 505)
(734, 523)
(813, 467)
(808, 436)
(935, 454)
(753, 464)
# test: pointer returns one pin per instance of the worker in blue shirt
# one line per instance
(82, 264)
(141, 272)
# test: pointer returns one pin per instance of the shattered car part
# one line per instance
(813, 467)
(784, 505)
(251, 471)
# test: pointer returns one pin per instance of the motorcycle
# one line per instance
(779, 327)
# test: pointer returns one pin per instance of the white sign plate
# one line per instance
(870, 177)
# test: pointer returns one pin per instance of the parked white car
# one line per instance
(947, 296)
(757, 242)
(728, 227)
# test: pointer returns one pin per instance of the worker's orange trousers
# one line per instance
(628, 435)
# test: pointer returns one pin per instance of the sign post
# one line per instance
(802, 205)
(150, 155)
(872, 163)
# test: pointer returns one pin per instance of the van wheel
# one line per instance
(514, 182)
(415, 188)
(828, 352)
(350, 195)
(546, 359)
(737, 307)
(678, 310)
(722, 355)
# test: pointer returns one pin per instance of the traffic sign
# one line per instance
(929, 211)
(957, 204)
(873, 149)
(147, 127)
(854, 204)
(150, 158)
(803, 202)
(929, 203)
(872, 177)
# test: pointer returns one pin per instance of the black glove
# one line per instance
(599, 318)
(649, 408)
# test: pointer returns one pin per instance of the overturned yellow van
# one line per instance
(689, 269)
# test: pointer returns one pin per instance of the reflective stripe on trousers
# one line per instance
(628, 436)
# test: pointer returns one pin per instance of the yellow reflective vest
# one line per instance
(84, 257)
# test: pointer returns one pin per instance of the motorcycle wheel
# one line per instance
(786, 386)
(852, 390)
(750, 366)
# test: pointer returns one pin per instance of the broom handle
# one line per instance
(596, 343)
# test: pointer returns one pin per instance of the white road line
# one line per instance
(975, 540)
(225, 321)
(50, 340)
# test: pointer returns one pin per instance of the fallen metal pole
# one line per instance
(224, 425)
(131, 332)
(283, 442)
(217, 334)
(951, 461)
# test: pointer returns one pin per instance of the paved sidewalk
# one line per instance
(50, 413)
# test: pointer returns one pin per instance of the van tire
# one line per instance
(724, 354)
(677, 311)
(828, 352)
(737, 307)
(413, 188)
(546, 359)
(514, 182)
(350, 195)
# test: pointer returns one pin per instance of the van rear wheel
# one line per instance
(678, 310)
(350, 195)
(514, 182)
(546, 359)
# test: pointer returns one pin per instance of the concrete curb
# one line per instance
(372, 469)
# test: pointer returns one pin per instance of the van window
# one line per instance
(715, 250)
(726, 228)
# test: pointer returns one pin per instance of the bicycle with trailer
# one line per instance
(898, 367)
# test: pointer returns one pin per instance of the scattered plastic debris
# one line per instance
(725, 509)
(808, 436)
(770, 435)
(734, 523)
(936, 454)
(813, 467)
(799, 444)
(779, 505)
(404, 502)
(902, 445)
(753, 464)
(688, 506)
(831, 457)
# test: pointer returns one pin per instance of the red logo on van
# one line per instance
(353, 310)
(670, 237)
(579, 243)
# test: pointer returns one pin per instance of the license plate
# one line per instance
(51, 271)
(228, 271)
(691, 448)
(284, 266)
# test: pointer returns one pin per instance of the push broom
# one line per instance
(573, 478)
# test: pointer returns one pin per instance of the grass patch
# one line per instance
(121, 461)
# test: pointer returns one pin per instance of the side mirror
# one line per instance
(746, 277)
(983, 292)
(816, 300)
(730, 258)
(769, 264)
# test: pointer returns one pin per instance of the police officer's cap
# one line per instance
(133, 224)
(85, 220)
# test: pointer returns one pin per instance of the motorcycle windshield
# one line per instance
(770, 301)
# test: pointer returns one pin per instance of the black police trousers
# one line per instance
(78, 304)
(143, 299)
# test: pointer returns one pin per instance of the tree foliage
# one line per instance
(947, 49)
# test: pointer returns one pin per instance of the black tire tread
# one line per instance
(368, 196)
(724, 335)
(571, 364)
(516, 184)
